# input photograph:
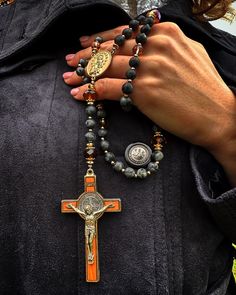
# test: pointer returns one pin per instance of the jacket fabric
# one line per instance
(175, 231)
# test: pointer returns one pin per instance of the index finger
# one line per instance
(87, 41)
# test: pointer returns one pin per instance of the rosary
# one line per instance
(141, 160)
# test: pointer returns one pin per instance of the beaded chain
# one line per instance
(142, 159)
(6, 2)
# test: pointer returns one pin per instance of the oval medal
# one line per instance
(99, 63)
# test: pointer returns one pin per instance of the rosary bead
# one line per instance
(102, 132)
(126, 103)
(127, 88)
(141, 38)
(149, 20)
(127, 33)
(83, 62)
(119, 40)
(153, 167)
(99, 39)
(90, 123)
(90, 95)
(157, 156)
(142, 173)
(129, 172)
(109, 157)
(80, 71)
(134, 62)
(105, 145)
(90, 136)
(131, 74)
(90, 110)
(118, 166)
(155, 14)
(145, 29)
(134, 24)
(86, 80)
(90, 153)
(141, 19)
(101, 113)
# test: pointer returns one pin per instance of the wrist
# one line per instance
(223, 148)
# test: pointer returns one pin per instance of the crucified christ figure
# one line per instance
(90, 225)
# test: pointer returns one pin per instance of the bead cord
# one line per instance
(157, 155)
(6, 2)
(147, 22)
(98, 113)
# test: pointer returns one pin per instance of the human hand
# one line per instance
(177, 86)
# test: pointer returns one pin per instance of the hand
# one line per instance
(177, 87)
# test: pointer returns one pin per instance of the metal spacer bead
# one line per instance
(105, 152)
(102, 138)
(113, 163)
(123, 170)
(149, 172)
(135, 175)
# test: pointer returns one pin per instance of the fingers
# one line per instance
(125, 49)
(106, 88)
(117, 69)
(87, 41)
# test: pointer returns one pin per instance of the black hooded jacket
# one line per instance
(175, 231)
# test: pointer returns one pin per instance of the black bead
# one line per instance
(80, 71)
(126, 103)
(134, 62)
(83, 62)
(119, 40)
(86, 80)
(141, 19)
(141, 38)
(99, 39)
(127, 88)
(134, 24)
(131, 74)
(127, 33)
(145, 29)
(149, 20)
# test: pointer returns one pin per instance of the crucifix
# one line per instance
(90, 206)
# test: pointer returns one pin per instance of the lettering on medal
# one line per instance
(99, 63)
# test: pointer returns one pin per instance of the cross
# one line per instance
(90, 206)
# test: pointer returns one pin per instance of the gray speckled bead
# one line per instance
(118, 166)
(109, 157)
(102, 132)
(129, 172)
(90, 110)
(90, 123)
(90, 136)
(105, 145)
(142, 173)
(153, 167)
(101, 113)
(157, 156)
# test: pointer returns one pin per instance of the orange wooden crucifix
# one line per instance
(90, 206)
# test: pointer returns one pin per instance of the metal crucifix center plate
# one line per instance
(99, 63)
(94, 200)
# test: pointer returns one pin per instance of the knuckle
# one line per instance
(173, 29)
(102, 87)
(118, 30)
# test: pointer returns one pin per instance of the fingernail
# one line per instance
(74, 91)
(84, 39)
(69, 57)
(67, 75)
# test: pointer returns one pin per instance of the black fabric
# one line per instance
(175, 231)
